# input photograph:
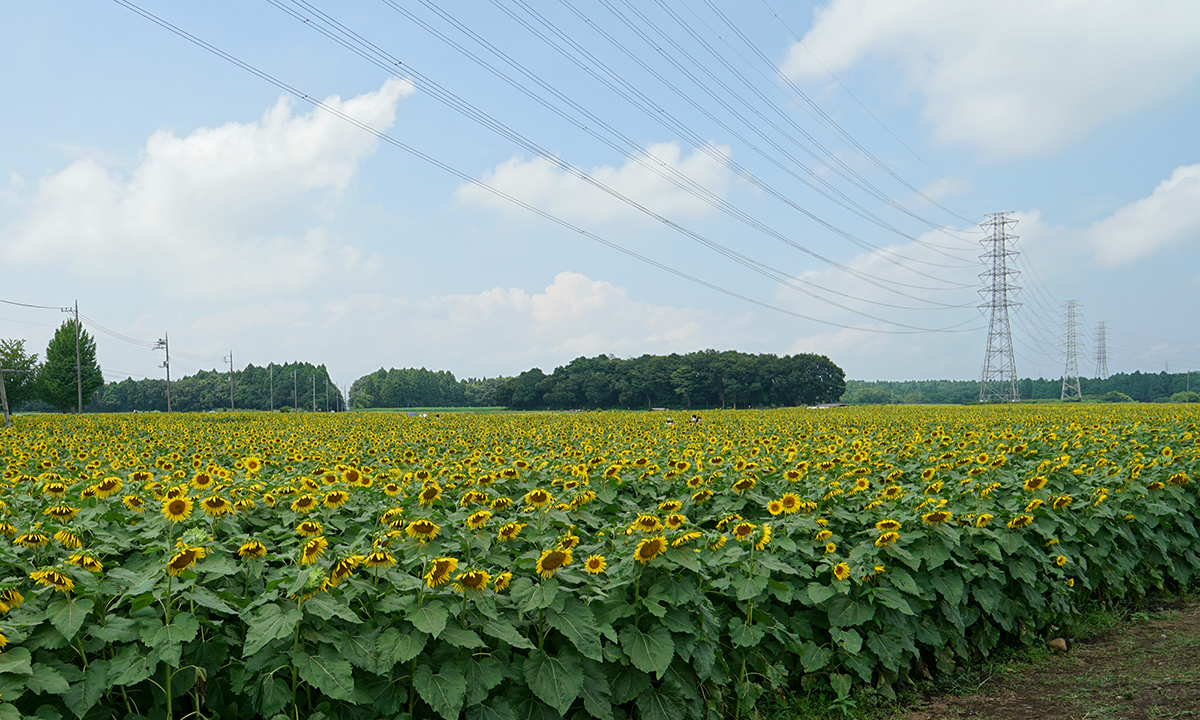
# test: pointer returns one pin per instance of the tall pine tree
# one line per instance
(57, 380)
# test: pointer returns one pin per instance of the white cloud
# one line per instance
(1012, 78)
(542, 184)
(200, 214)
(1167, 218)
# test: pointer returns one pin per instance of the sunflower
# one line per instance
(746, 483)
(718, 543)
(841, 571)
(304, 503)
(352, 476)
(422, 529)
(55, 489)
(202, 481)
(888, 525)
(50, 577)
(552, 560)
(669, 506)
(743, 530)
(343, 568)
(793, 475)
(1179, 478)
(472, 580)
(429, 494)
(252, 464)
(440, 572)
(892, 492)
(478, 519)
(7, 529)
(391, 489)
(308, 528)
(1061, 502)
(647, 524)
(61, 512)
(177, 509)
(134, 503)
(313, 549)
(216, 506)
(1060, 560)
(1034, 504)
(508, 531)
(538, 498)
(379, 559)
(500, 503)
(1036, 482)
(142, 476)
(87, 562)
(11, 597)
(936, 517)
(568, 543)
(243, 504)
(887, 538)
(830, 548)
(675, 521)
(108, 486)
(983, 519)
(765, 539)
(649, 549)
(336, 498)
(33, 539)
(185, 558)
(775, 507)
(701, 496)
(252, 549)
(1020, 521)
(686, 538)
(595, 564)
(502, 581)
(68, 539)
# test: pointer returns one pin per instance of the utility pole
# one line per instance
(166, 348)
(229, 360)
(271, 372)
(78, 364)
(999, 378)
(1102, 350)
(4, 397)
(1070, 384)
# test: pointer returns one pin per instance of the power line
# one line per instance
(495, 191)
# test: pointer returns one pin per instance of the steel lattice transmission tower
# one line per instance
(1102, 350)
(999, 378)
(1070, 384)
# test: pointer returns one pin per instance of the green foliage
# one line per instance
(1114, 396)
(297, 386)
(21, 386)
(57, 381)
(421, 388)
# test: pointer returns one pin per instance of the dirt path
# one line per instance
(1144, 670)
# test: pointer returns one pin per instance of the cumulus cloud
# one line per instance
(643, 179)
(1012, 78)
(208, 205)
(1167, 218)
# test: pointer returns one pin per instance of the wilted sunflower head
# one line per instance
(649, 549)
(313, 549)
(308, 528)
(440, 571)
(743, 530)
(552, 560)
(472, 580)
(252, 549)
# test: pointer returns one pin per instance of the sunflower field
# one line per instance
(605, 565)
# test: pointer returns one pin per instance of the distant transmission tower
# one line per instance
(1102, 350)
(999, 378)
(1070, 384)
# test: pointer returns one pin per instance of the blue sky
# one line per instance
(838, 155)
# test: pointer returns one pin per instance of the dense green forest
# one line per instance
(412, 387)
(1141, 387)
(708, 379)
(302, 386)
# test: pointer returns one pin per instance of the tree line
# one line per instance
(1136, 386)
(53, 385)
(418, 387)
(706, 379)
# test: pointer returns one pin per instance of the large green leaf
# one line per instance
(84, 694)
(850, 640)
(444, 691)
(326, 672)
(844, 612)
(578, 623)
(660, 703)
(459, 636)
(555, 680)
(496, 708)
(394, 646)
(269, 623)
(115, 629)
(361, 651)
(502, 630)
(46, 679)
(814, 657)
(16, 660)
(819, 593)
(130, 666)
(649, 652)
(168, 640)
(596, 692)
(745, 634)
(887, 648)
(275, 695)
(326, 607)
(10, 712)
(68, 615)
(891, 597)
(206, 598)
(430, 618)
(482, 673)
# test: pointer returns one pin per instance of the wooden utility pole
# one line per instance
(78, 364)
(230, 361)
(167, 364)
(4, 398)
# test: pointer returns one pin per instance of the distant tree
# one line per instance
(20, 386)
(1186, 397)
(1115, 396)
(56, 382)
